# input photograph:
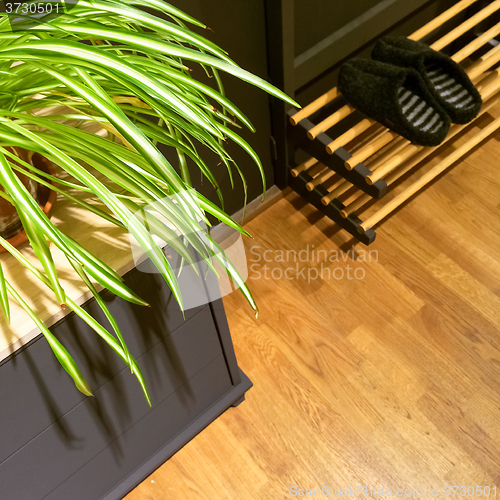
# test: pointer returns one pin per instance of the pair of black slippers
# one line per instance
(411, 89)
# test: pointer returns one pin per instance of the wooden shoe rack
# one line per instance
(353, 162)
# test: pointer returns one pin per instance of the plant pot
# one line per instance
(10, 225)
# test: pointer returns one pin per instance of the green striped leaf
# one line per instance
(4, 298)
(60, 352)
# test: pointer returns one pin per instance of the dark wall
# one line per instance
(317, 19)
(239, 28)
(411, 22)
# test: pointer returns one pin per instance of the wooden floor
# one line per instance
(390, 379)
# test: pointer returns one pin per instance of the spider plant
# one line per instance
(126, 69)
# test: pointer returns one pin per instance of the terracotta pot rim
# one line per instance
(21, 237)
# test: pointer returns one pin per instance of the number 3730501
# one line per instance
(31, 7)
(470, 491)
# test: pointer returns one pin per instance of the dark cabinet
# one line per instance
(58, 444)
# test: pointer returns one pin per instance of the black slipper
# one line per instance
(447, 81)
(396, 97)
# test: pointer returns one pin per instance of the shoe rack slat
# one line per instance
(351, 223)
(337, 161)
(350, 172)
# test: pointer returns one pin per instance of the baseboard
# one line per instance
(222, 232)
